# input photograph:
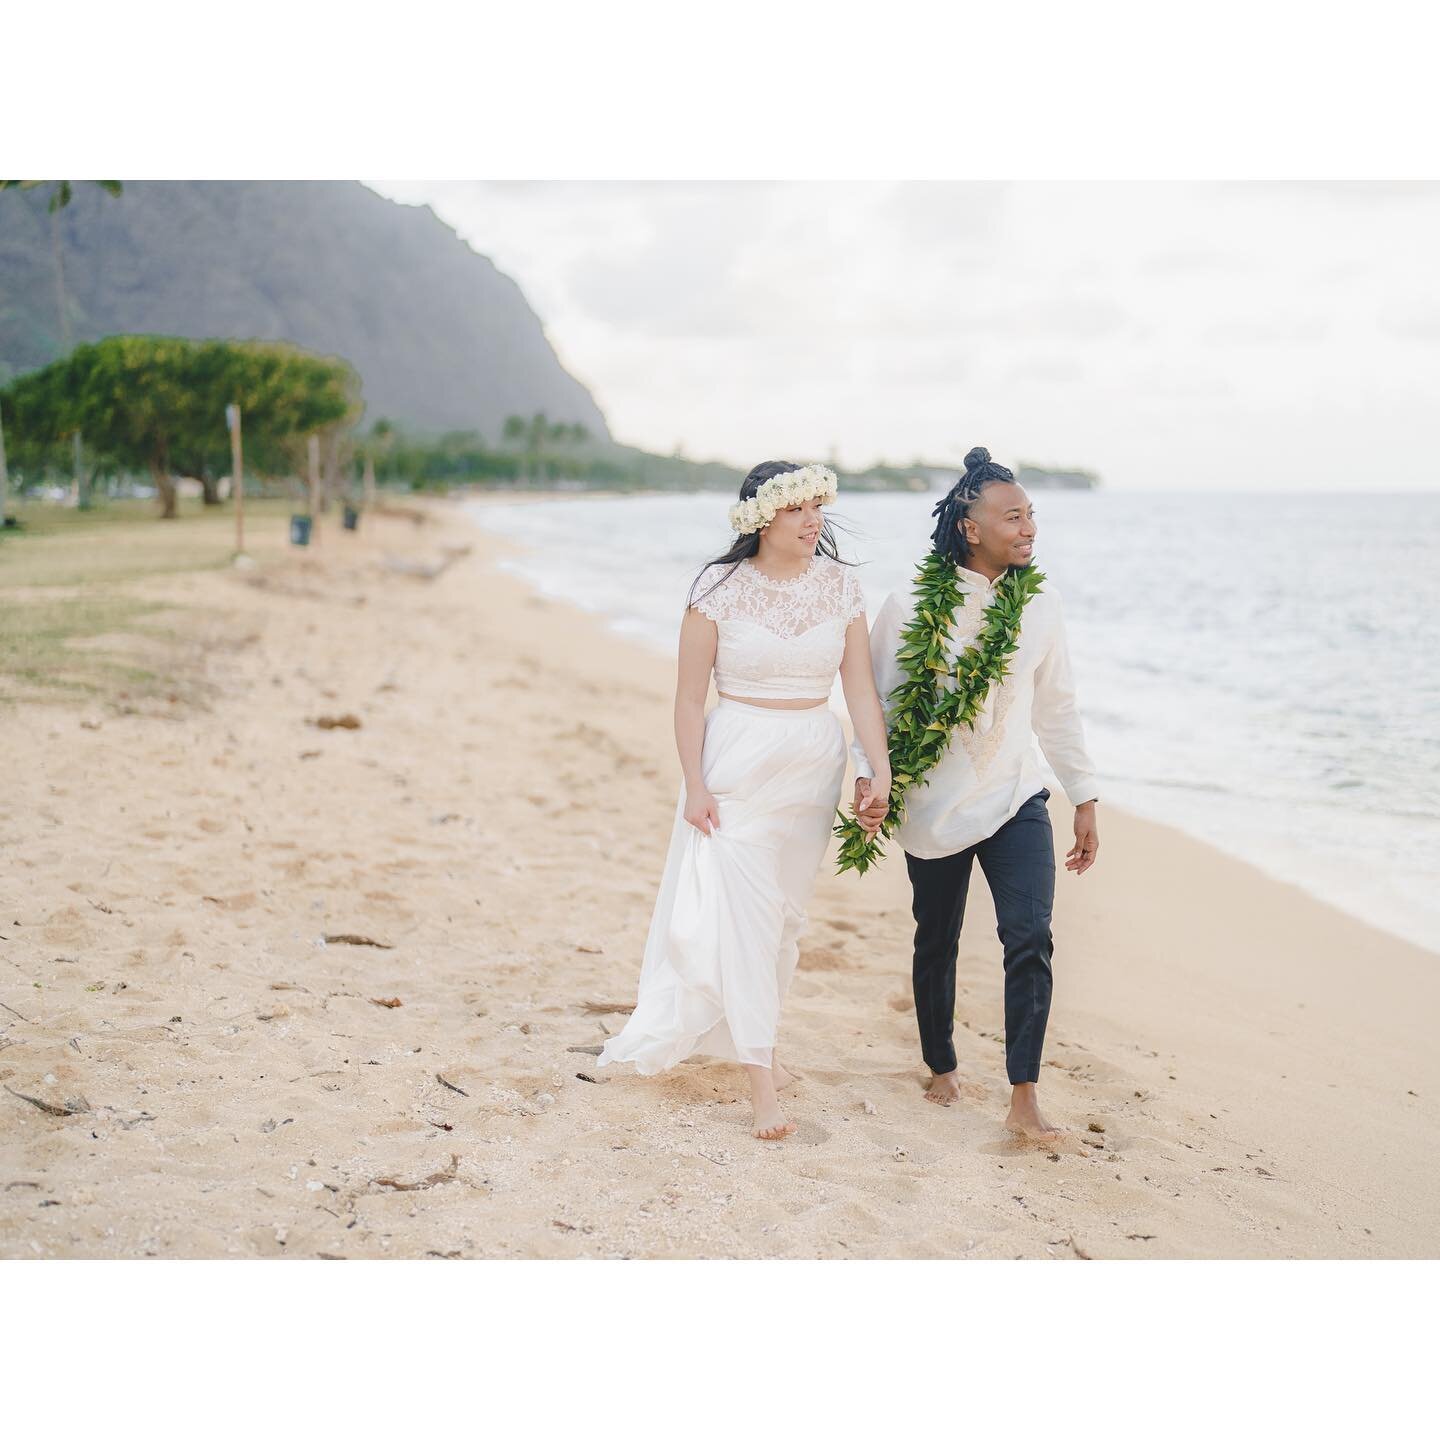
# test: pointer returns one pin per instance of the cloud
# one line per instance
(1047, 370)
(1194, 262)
(1267, 330)
(1092, 322)
(1416, 317)
(1338, 192)
(954, 219)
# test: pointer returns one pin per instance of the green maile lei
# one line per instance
(936, 696)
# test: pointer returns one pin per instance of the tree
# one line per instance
(64, 192)
(60, 197)
(374, 449)
(157, 402)
(535, 437)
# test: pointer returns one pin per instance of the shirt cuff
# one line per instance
(1086, 788)
(864, 770)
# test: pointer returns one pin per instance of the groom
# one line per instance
(985, 800)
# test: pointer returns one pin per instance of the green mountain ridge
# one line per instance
(442, 339)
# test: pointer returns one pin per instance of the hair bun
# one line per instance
(977, 457)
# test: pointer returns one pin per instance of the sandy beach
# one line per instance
(274, 987)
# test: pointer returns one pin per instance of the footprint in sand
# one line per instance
(1065, 1143)
(692, 1086)
(824, 960)
(1090, 1071)
(807, 1132)
(245, 901)
(67, 926)
(903, 1148)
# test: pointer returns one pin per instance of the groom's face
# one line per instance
(1000, 526)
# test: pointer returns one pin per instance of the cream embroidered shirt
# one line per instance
(989, 771)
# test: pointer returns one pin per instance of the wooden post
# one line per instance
(330, 471)
(4, 475)
(314, 489)
(79, 454)
(237, 475)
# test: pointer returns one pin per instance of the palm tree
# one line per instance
(60, 197)
(4, 474)
(536, 435)
(63, 191)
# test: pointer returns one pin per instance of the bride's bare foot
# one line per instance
(1025, 1117)
(944, 1089)
(770, 1122)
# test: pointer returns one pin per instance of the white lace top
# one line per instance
(780, 639)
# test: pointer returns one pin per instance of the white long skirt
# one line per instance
(723, 939)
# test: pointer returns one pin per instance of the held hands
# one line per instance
(872, 802)
(1087, 840)
(702, 811)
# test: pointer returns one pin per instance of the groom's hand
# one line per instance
(1087, 840)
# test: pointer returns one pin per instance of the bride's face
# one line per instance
(794, 531)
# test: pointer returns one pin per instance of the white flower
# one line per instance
(812, 482)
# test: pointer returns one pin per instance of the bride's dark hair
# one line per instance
(747, 545)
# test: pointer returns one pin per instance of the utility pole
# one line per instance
(4, 474)
(237, 475)
(314, 448)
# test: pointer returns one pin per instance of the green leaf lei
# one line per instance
(935, 695)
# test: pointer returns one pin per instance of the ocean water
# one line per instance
(1262, 672)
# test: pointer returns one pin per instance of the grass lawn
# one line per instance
(70, 626)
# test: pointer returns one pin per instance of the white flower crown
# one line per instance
(794, 487)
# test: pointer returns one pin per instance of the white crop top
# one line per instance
(780, 639)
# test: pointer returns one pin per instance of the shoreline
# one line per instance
(1264, 902)
(1244, 1072)
(508, 549)
(1368, 892)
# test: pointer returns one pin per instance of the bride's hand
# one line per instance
(872, 802)
(702, 811)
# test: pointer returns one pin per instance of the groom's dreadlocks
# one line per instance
(948, 537)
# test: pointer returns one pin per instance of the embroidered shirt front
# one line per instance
(990, 771)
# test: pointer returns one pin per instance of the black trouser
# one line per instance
(1019, 865)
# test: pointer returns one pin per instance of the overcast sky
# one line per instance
(1166, 335)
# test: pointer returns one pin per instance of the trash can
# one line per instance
(352, 517)
(299, 529)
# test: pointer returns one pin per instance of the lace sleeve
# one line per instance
(713, 594)
(852, 596)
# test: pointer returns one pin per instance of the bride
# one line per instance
(773, 618)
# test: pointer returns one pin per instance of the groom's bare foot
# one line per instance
(944, 1089)
(1025, 1117)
